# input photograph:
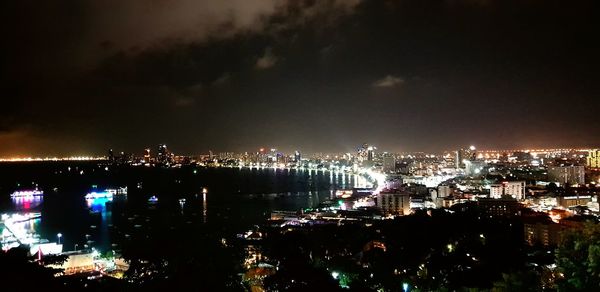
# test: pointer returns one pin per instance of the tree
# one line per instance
(17, 269)
(519, 281)
(578, 259)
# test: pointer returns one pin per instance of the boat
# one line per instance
(153, 200)
(27, 193)
(98, 195)
(118, 191)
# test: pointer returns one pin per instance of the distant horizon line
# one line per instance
(19, 158)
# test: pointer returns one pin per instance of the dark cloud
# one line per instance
(88, 75)
(267, 60)
(388, 81)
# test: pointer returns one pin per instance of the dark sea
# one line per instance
(236, 199)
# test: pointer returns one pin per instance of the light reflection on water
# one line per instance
(102, 222)
(27, 203)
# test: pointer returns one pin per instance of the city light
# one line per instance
(348, 145)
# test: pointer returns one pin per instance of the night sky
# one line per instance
(79, 77)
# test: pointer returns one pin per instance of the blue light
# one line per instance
(98, 205)
(97, 195)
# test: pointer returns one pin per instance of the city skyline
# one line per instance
(151, 153)
(312, 145)
(320, 76)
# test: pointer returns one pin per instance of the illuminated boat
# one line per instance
(98, 195)
(119, 191)
(26, 193)
(153, 199)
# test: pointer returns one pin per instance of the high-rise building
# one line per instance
(394, 203)
(297, 156)
(543, 232)
(574, 175)
(515, 189)
(463, 155)
(474, 167)
(147, 155)
(366, 153)
(593, 159)
(163, 155)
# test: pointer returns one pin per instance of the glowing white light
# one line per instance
(335, 275)
(30, 193)
(98, 195)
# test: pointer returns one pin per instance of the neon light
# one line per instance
(98, 205)
(27, 193)
(98, 195)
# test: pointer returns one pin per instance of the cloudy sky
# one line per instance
(79, 77)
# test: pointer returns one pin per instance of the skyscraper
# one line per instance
(147, 155)
(163, 154)
(463, 155)
(363, 152)
(297, 156)
(370, 153)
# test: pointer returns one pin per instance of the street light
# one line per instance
(59, 235)
(335, 275)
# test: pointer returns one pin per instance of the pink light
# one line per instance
(28, 193)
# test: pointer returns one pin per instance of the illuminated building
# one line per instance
(474, 167)
(393, 183)
(542, 233)
(297, 156)
(273, 155)
(572, 201)
(593, 159)
(515, 189)
(78, 263)
(463, 155)
(574, 175)
(366, 153)
(394, 203)
(444, 191)
(162, 153)
(147, 155)
(505, 207)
